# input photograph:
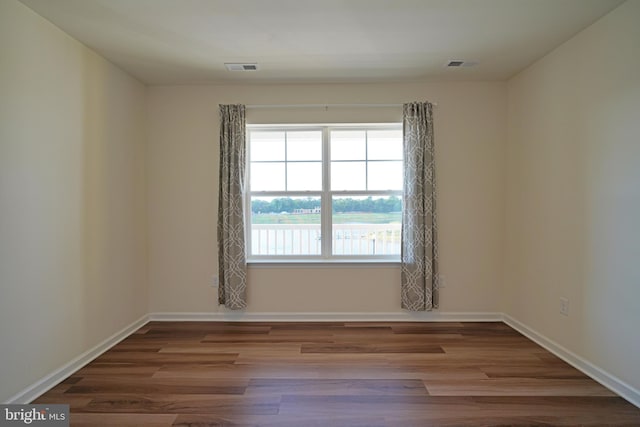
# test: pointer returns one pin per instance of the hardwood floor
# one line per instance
(334, 374)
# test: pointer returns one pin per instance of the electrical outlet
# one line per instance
(215, 281)
(442, 283)
(564, 306)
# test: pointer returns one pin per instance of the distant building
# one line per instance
(306, 211)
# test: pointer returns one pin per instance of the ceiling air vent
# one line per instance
(241, 67)
(454, 63)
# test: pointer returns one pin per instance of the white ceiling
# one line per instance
(188, 41)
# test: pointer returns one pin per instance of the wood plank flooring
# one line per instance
(334, 374)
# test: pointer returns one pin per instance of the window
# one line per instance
(325, 193)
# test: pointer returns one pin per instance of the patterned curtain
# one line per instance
(232, 263)
(419, 268)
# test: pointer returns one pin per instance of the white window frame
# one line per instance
(325, 194)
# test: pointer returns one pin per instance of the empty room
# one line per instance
(320, 213)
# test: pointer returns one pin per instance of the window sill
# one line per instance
(321, 263)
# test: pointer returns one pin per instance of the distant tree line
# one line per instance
(286, 204)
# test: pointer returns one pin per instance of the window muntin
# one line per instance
(285, 160)
(366, 160)
(324, 193)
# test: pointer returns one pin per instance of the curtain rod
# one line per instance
(258, 106)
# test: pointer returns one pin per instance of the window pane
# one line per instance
(385, 176)
(366, 225)
(348, 145)
(348, 176)
(304, 145)
(266, 145)
(304, 176)
(267, 176)
(384, 145)
(285, 226)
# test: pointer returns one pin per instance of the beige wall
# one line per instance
(470, 122)
(573, 197)
(72, 199)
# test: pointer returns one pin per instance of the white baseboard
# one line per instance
(431, 316)
(54, 378)
(606, 379)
